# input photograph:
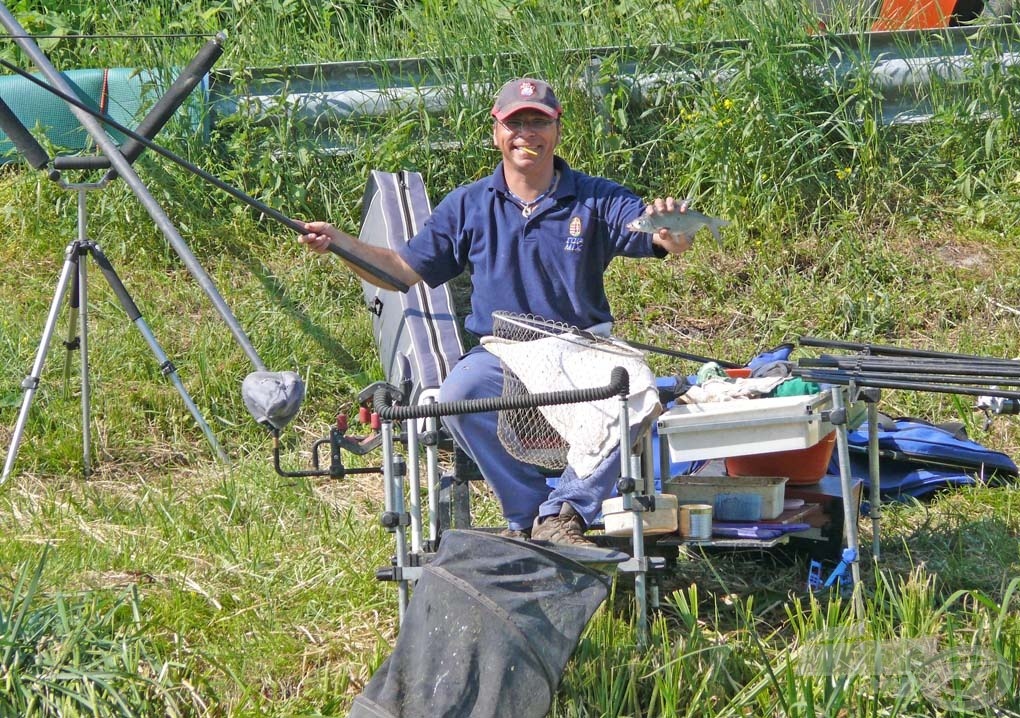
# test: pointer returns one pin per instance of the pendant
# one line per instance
(526, 211)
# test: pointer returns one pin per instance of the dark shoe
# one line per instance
(566, 529)
(523, 535)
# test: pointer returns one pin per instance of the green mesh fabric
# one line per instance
(125, 94)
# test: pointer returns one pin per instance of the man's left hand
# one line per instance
(672, 242)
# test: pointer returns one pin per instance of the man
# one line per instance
(538, 237)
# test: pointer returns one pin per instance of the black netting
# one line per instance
(525, 433)
(488, 631)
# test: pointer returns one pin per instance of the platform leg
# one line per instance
(850, 508)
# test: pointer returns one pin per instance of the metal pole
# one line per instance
(124, 169)
(165, 365)
(83, 335)
(433, 477)
(638, 536)
(414, 484)
(393, 500)
(850, 508)
(31, 383)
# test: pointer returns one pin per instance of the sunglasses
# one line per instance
(536, 124)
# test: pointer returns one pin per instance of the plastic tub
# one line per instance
(799, 466)
(733, 498)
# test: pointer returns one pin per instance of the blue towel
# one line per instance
(736, 529)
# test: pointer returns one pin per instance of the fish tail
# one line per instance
(714, 225)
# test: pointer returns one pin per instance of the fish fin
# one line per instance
(714, 226)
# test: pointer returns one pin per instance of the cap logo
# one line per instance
(527, 89)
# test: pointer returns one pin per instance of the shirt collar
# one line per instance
(565, 188)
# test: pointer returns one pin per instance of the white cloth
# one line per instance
(721, 389)
(568, 362)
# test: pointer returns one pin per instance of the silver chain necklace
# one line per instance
(527, 208)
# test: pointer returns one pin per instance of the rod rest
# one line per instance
(619, 385)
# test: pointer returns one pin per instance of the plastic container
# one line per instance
(733, 498)
(619, 522)
(801, 467)
(716, 430)
(740, 372)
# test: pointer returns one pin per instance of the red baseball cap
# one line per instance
(526, 93)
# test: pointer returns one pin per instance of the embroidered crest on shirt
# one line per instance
(575, 241)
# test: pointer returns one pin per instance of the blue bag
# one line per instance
(917, 458)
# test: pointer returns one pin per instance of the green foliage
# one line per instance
(83, 655)
(216, 590)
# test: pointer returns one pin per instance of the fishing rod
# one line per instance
(898, 366)
(661, 350)
(932, 379)
(846, 378)
(885, 349)
(108, 36)
(100, 162)
(680, 355)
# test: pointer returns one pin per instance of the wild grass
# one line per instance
(195, 588)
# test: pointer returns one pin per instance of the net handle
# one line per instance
(385, 397)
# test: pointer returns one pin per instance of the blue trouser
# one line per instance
(521, 488)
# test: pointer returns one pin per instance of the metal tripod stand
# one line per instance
(75, 268)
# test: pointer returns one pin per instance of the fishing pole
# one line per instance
(932, 379)
(844, 378)
(107, 36)
(899, 366)
(669, 352)
(885, 349)
(102, 162)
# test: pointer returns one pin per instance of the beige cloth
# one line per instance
(719, 389)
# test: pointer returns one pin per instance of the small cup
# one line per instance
(696, 521)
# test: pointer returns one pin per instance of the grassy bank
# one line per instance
(194, 588)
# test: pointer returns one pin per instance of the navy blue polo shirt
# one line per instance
(550, 264)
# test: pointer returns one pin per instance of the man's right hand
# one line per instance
(319, 236)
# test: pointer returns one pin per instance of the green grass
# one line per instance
(227, 590)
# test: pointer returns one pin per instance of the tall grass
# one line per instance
(228, 590)
(85, 655)
(914, 655)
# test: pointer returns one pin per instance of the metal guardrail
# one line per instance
(904, 66)
(906, 69)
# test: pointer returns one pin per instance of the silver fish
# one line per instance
(687, 222)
